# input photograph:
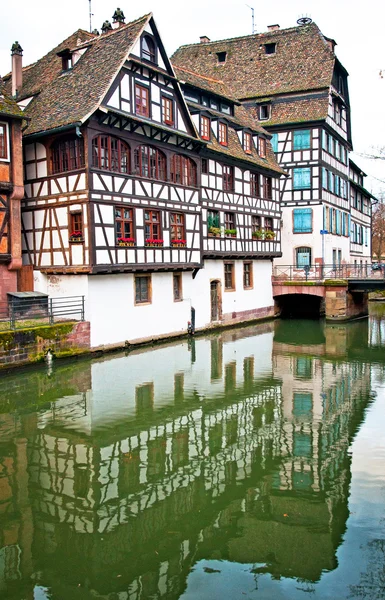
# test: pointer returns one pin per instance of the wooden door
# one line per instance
(215, 300)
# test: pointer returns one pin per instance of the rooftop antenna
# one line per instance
(91, 15)
(252, 18)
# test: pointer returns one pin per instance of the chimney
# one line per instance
(118, 19)
(273, 27)
(106, 27)
(204, 39)
(17, 68)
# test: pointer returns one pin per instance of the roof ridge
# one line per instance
(103, 36)
(250, 35)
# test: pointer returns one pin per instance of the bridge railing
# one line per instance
(319, 272)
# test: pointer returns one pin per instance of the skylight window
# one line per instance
(221, 57)
(270, 48)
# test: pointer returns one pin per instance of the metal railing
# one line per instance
(319, 272)
(21, 312)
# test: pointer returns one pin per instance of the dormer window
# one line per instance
(264, 111)
(205, 128)
(222, 134)
(247, 142)
(148, 49)
(66, 59)
(270, 48)
(262, 147)
(221, 57)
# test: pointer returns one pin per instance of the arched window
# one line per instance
(150, 162)
(67, 154)
(110, 154)
(148, 49)
(183, 170)
(302, 257)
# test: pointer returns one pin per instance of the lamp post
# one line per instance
(323, 232)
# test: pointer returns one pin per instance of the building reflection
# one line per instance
(122, 473)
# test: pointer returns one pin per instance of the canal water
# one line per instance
(248, 464)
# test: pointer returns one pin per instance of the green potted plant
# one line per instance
(231, 232)
(258, 234)
(214, 231)
(269, 234)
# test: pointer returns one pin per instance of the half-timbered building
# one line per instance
(118, 173)
(293, 83)
(11, 191)
(240, 203)
(361, 215)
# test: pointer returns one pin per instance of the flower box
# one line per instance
(76, 237)
(231, 233)
(258, 234)
(214, 231)
(126, 242)
(178, 243)
(269, 235)
(153, 243)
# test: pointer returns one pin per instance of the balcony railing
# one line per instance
(319, 272)
(32, 311)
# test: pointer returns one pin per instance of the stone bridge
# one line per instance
(338, 292)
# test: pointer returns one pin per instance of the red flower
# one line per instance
(126, 240)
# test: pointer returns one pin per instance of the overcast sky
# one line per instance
(39, 25)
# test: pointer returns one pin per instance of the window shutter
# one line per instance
(324, 140)
(274, 142)
(324, 178)
(338, 222)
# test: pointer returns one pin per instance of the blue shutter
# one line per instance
(302, 220)
(324, 140)
(330, 182)
(301, 178)
(338, 230)
(274, 142)
(324, 219)
(301, 139)
(324, 178)
(330, 220)
(349, 225)
(330, 145)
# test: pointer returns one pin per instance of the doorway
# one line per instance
(215, 298)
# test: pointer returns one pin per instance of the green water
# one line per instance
(244, 465)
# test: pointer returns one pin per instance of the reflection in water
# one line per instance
(120, 477)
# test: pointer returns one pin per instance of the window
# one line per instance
(183, 170)
(270, 48)
(142, 289)
(274, 142)
(301, 139)
(303, 257)
(177, 286)
(150, 162)
(213, 219)
(152, 229)
(302, 220)
(301, 178)
(111, 154)
(222, 134)
(229, 276)
(268, 224)
(205, 166)
(205, 128)
(76, 226)
(228, 178)
(264, 112)
(254, 185)
(124, 224)
(67, 155)
(247, 142)
(221, 57)
(3, 141)
(167, 111)
(148, 49)
(177, 229)
(142, 101)
(255, 223)
(267, 187)
(262, 147)
(247, 275)
(229, 221)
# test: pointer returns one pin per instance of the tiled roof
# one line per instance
(303, 61)
(70, 97)
(294, 109)
(209, 84)
(8, 106)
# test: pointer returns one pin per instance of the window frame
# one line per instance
(148, 55)
(4, 147)
(297, 252)
(112, 155)
(267, 188)
(177, 287)
(229, 220)
(183, 170)
(306, 212)
(177, 229)
(298, 173)
(150, 223)
(248, 282)
(255, 185)
(228, 178)
(229, 276)
(123, 220)
(142, 109)
(247, 142)
(168, 112)
(223, 134)
(148, 292)
(60, 155)
(205, 128)
(262, 147)
(264, 111)
(156, 162)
